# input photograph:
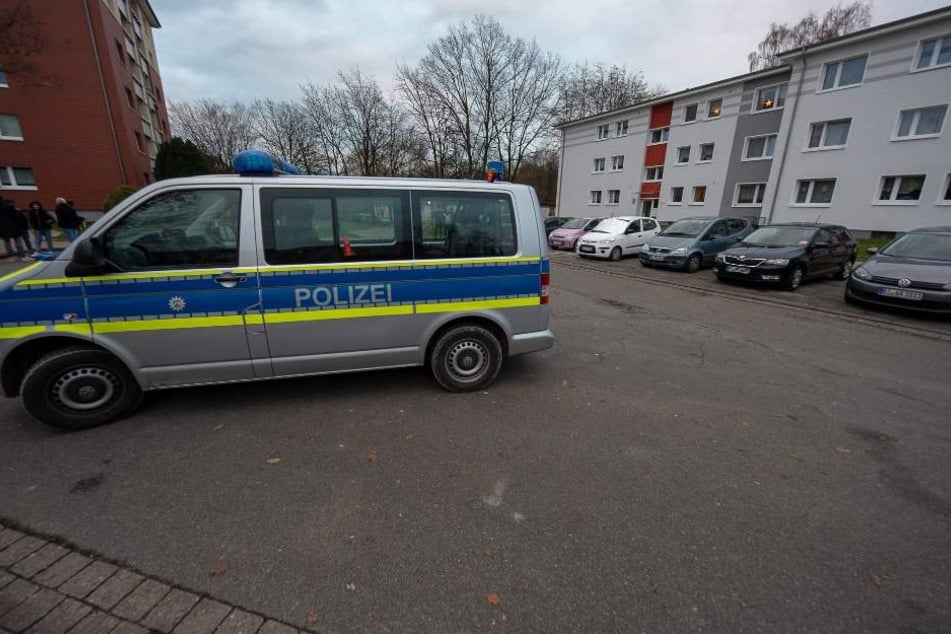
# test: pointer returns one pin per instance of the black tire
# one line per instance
(645, 263)
(692, 265)
(615, 254)
(466, 358)
(845, 270)
(794, 279)
(79, 388)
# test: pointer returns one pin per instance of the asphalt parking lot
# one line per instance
(686, 458)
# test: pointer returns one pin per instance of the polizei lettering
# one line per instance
(343, 296)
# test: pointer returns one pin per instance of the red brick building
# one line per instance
(91, 114)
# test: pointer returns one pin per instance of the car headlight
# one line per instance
(679, 251)
(776, 262)
(862, 274)
(721, 257)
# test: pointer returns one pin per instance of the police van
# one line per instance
(263, 275)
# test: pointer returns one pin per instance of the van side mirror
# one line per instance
(871, 250)
(88, 259)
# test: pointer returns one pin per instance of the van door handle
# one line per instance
(230, 280)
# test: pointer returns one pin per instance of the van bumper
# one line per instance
(531, 342)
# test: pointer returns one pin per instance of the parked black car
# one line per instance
(553, 222)
(912, 271)
(787, 254)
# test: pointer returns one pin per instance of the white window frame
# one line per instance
(915, 121)
(764, 157)
(693, 195)
(934, 54)
(614, 163)
(591, 197)
(809, 193)
(696, 114)
(606, 128)
(617, 199)
(677, 160)
(945, 190)
(893, 201)
(658, 173)
(595, 163)
(620, 128)
(758, 91)
(13, 181)
(838, 73)
(3, 78)
(822, 139)
(12, 138)
(758, 193)
(680, 202)
(701, 160)
(707, 108)
(664, 135)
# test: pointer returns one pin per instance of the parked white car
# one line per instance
(616, 237)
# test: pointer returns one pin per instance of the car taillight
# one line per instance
(546, 280)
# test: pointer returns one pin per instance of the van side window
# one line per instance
(463, 224)
(314, 226)
(186, 229)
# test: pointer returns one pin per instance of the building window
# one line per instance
(130, 49)
(10, 128)
(620, 129)
(598, 165)
(676, 195)
(829, 134)
(138, 141)
(815, 192)
(770, 98)
(16, 177)
(714, 108)
(617, 162)
(699, 194)
(603, 131)
(749, 194)
(683, 154)
(614, 196)
(129, 98)
(659, 135)
(921, 122)
(901, 189)
(690, 112)
(759, 147)
(123, 9)
(844, 73)
(3, 78)
(934, 53)
(595, 198)
(655, 173)
(706, 153)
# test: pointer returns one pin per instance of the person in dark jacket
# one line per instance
(13, 230)
(69, 221)
(41, 222)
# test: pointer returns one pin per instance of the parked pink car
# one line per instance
(565, 236)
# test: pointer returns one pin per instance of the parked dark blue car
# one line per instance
(693, 242)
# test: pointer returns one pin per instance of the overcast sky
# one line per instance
(243, 49)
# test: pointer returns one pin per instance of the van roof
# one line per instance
(347, 181)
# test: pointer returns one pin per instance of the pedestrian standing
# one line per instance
(14, 229)
(41, 222)
(69, 221)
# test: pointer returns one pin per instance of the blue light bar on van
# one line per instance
(260, 163)
(495, 170)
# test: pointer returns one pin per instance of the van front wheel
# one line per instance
(466, 358)
(78, 388)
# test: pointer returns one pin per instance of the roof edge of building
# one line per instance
(153, 18)
(775, 70)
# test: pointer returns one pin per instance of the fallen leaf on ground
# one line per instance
(695, 608)
(565, 383)
(843, 450)
(219, 570)
(488, 553)
(371, 458)
(879, 578)
(797, 457)
(791, 417)
(493, 598)
(217, 427)
(410, 436)
(273, 460)
(744, 424)
(311, 616)
(245, 496)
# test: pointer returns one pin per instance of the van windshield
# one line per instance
(688, 228)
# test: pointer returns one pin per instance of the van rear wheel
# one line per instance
(466, 358)
(79, 388)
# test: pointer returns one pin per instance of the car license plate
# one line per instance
(738, 269)
(584, 248)
(900, 293)
(556, 243)
(657, 258)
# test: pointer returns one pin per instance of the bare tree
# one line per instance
(21, 37)
(318, 107)
(220, 130)
(432, 119)
(284, 130)
(837, 21)
(587, 89)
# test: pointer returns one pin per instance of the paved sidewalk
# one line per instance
(50, 588)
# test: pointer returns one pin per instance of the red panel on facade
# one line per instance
(650, 190)
(660, 114)
(655, 155)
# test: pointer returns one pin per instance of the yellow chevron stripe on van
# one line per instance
(449, 307)
(15, 332)
(172, 323)
(76, 329)
(118, 277)
(337, 313)
(21, 271)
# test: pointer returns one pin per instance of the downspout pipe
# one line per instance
(792, 120)
(105, 95)
(561, 168)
